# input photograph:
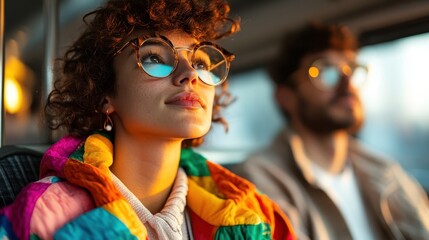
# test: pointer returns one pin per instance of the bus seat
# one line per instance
(19, 165)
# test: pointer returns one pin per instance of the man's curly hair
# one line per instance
(85, 75)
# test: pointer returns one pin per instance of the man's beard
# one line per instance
(321, 121)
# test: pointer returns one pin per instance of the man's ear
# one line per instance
(285, 97)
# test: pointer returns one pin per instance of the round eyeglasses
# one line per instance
(157, 56)
(326, 75)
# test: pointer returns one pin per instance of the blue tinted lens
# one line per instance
(157, 69)
(329, 76)
(157, 58)
(210, 64)
(208, 77)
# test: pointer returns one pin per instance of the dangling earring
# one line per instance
(108, 124)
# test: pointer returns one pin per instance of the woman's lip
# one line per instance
(186, 99)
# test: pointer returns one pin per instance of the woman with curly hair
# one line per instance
(135, 92)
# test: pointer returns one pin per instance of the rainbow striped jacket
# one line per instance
(76, 199)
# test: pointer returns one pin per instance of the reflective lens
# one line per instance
(326, 75)
(159, 59)
(329, 76)
(210, 64)
(359, 76)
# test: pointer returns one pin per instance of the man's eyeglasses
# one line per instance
(326, 75)
(157, 56)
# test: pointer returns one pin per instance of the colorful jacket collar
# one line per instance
(222, 205)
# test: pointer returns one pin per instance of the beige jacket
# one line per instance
(396, 204)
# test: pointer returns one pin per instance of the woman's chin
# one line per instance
(195, 132)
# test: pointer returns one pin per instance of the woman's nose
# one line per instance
(186, 73)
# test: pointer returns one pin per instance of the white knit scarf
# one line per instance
(167, 224)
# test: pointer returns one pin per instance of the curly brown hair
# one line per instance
(85, 76)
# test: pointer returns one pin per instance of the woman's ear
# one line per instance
(106, 105)
(285, 97)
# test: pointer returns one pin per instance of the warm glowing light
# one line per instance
(13, 96)
(15, 69)
(313, 72)
(346, 70)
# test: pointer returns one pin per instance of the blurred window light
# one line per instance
(15, 69)
(13, 96)
(18, 82)
(395, 99)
